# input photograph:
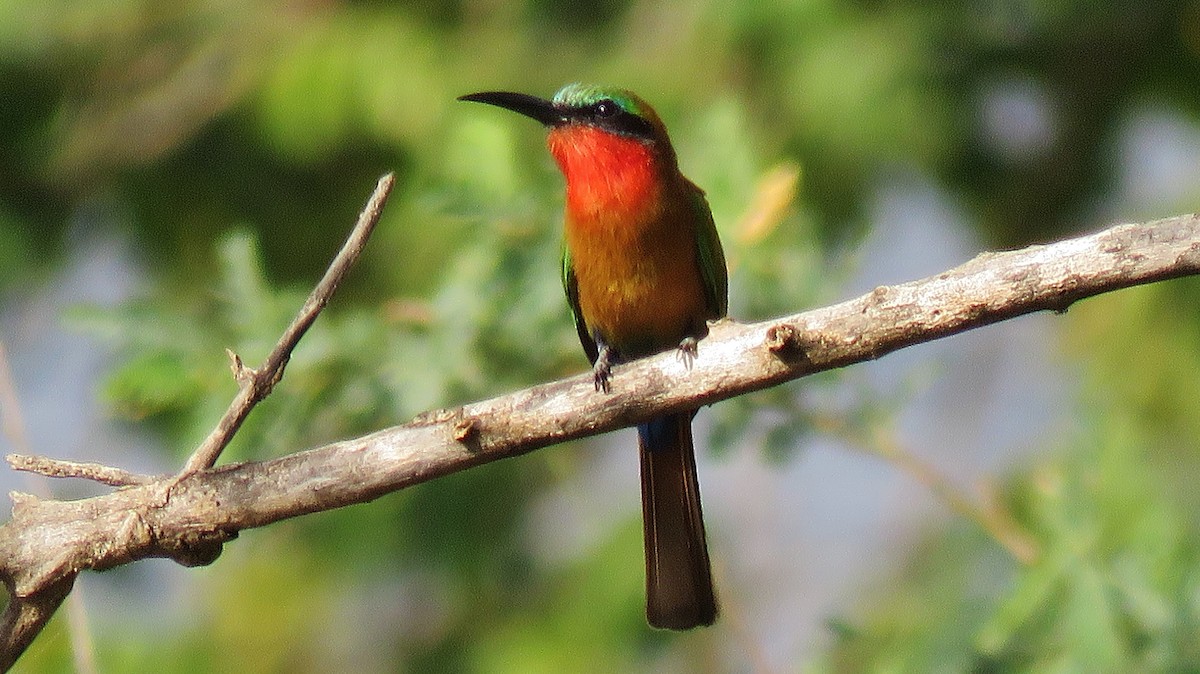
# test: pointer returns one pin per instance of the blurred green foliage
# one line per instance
(235, 141)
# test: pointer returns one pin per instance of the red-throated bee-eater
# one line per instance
(643, 271)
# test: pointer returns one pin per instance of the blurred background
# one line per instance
(174, 177)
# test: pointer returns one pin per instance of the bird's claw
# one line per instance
(600, 376)
(688, 349)
(601, 369)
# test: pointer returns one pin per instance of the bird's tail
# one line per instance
(679, 590)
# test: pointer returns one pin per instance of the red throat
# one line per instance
(609, 176)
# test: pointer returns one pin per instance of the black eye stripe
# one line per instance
(609, 115)
(606, 108)
(629, 125)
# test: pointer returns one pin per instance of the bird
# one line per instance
(644, 272)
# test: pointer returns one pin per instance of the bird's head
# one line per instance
(579, 106)
(609, 143)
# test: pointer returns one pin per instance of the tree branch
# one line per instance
(113, 477)
(47, 543)
(28, 611)
(256, 384)
(24, 618)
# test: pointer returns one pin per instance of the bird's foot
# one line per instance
(602, 368)
(689, 347)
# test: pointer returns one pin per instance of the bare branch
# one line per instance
(988, 515)
(114, 477)
(48, 542)
(27, 613)
(24, 618)
(256, 384)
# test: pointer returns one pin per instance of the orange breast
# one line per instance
(632, 247)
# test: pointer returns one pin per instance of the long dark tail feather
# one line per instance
(679, 589)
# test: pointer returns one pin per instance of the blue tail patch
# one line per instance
(656, 434)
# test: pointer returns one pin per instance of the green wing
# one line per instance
(571, 286)
(709, 256)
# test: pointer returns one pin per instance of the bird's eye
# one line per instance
(607, 108)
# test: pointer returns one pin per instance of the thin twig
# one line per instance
(83, 650)
(988, 515)
(83, 647)
(256, 384)
(27, 611)
(12, 422)
(114, 477)
(880, 440)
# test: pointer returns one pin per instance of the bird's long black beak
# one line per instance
(530, 106)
